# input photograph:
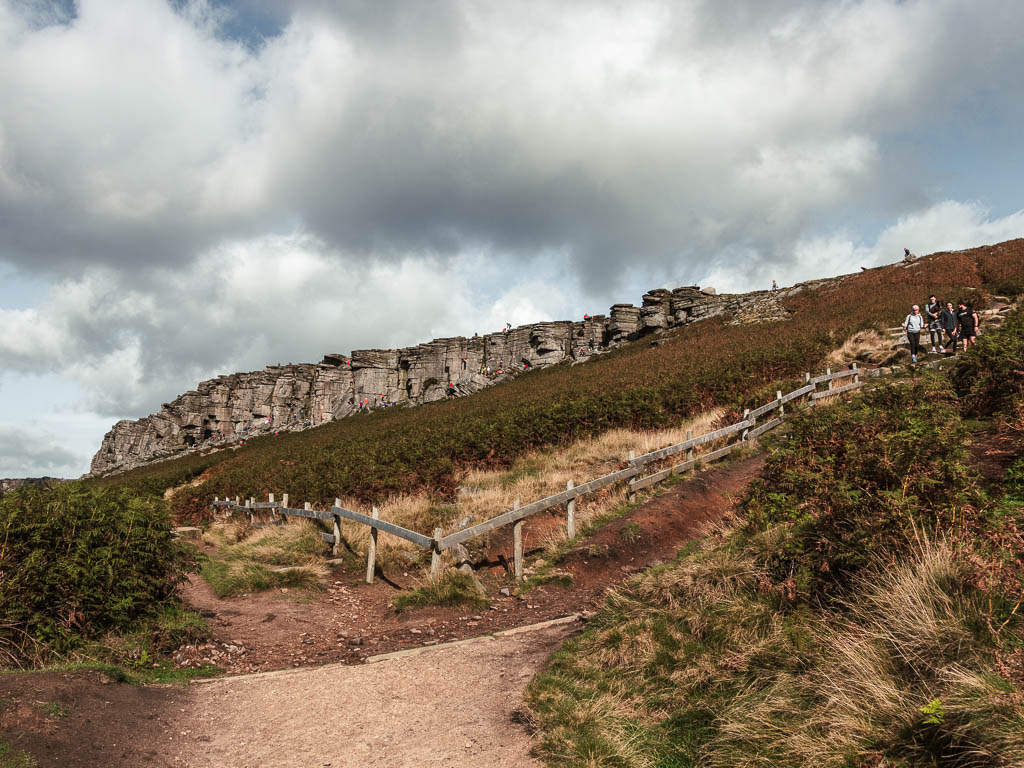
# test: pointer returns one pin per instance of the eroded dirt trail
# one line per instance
(442, 706)
(350, 620)
(445, 706)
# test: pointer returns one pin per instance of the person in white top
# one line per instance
(913, 325)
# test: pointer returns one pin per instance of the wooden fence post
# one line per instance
(371, 548)
(831, 382)
(570, 513)
(743, 434)
(517, 545)
(252, 510)
(856, 374)
(238, 501)
(631, 496)
(435, 555)
(337, 531)
(273, 515)
(811, 399)
(782, 408)
(284, 500)
(689, 451)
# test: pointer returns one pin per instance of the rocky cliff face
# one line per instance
(8, 484)
(294, 397)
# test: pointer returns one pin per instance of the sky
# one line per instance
(195, 188)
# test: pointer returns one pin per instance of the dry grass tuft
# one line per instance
(487, 493)
(868, 346)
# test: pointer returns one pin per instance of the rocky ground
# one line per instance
(443, 706)
(352, 620)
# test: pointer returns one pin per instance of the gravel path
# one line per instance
(445, 706)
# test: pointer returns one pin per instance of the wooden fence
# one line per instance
(633, 474)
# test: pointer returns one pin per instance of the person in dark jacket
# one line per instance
(931, 317)
(967, 324)
(947, 320)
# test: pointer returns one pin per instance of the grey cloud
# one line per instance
(31, 454)
(391, 128)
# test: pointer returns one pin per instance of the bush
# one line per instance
(78, 562)
(990, 377)
(860, 479)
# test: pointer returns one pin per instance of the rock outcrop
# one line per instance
(226, 409)
(8, 484)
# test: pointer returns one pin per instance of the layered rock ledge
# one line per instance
(226, 409)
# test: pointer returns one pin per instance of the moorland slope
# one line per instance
(368, 457)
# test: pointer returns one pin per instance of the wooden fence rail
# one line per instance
(748, 428)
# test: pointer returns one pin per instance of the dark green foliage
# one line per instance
(370, 456)
(77, 562)
(862, 479)
(990, 377)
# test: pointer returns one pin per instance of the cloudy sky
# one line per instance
(194, 188)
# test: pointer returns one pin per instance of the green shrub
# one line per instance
(990, 377)
(78, 562)
(859, 479)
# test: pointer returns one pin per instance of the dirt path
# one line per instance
(351, 620)
(444, 706)
(447, 706)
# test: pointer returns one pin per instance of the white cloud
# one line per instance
(946, 226)
(128, 346)
(25, 453)
(658, 130)
(382, 173)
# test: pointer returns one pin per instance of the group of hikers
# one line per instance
(960, 326)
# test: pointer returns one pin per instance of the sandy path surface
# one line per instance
(446, 706)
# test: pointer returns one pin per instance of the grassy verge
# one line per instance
(859, 612)
(250, 560)
(454, 588)
(15, 758)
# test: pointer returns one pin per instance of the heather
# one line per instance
(861, 609)
(373, 456)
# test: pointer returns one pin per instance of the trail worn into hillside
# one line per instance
(445, 706)
(351, 620)
(440, 706)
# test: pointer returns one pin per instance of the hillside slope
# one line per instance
(860, 609)
(371, 456)
(295, 397)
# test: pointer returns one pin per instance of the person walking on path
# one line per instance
(967, 324)
(931, 316)
(947, 320)
(913, 325)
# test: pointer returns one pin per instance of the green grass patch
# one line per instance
(15, 758)
(453, 588)
(546, 574)
(229, 578)
(821, 629)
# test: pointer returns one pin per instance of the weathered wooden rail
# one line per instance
(747, 429)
